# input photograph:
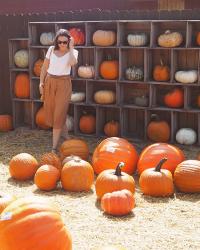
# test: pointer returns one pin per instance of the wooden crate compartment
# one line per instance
(193, 93)
(133, 123)
(22, 113)
(35, 93)
(131, 57)
(79, 111)
(163, 116)
(193, 29)
(35, 55)
(15, 45)
(105, 115)
(158, 93)
(130, 93)
(13, 75)
(159, 27)
(158, 57)
(79, 86)
(182, 61)
(94, 86)
(103, 54)
(86, 56)
(91, 27)
(133, 27)
(36, 29)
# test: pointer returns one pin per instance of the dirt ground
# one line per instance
(155, 223)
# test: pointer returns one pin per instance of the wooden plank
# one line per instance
(171, 4)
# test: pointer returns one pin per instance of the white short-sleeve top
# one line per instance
(59, 65)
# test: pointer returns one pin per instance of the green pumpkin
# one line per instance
(134, 73)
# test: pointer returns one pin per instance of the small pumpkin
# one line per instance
(187, 176)
(5, 200)
(87, 124)
(153, 153)
(22, 86)
(118, 203)
(109, 69)
(186, 136)
(50, 159)
(47, 38)
(113, 150)
(77, 96)
(142, 101)
(40, 119)
(113, 180)
(198, 38)
(46, 177)
(6, 123)
(69, 158)
(104, 37)
(21, 58)
(86, 71)
(75, 147)
(158, 130)
(156, 181)
(77, 175)
(111, 128)
(70, 123)
(37, 67)
(174, 98)
(33, 219)
(134, 73)
(137, 39)
(105, 97)
(78, 35)
(23, 166)
(161, 73)
(170, 39)
(186, 76)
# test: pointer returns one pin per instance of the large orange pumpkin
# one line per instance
(78, 35)
(34, 224)
(174, 98)
(153, 153)
(51, 159)
(23, 166)
(87, 124)
(109, 69)
(113, 150)
(40, 119)
(5, 123)
(37, 67)
(5, 200)
(22, 86)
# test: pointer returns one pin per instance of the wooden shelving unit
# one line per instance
(133, 119)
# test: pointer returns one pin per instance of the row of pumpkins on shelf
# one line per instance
(168, 39)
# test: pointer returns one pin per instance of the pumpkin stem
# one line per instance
(158, 167)
(161, 62)
(118, 170)
(154, 117)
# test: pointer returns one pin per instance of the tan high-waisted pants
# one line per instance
(57, 94)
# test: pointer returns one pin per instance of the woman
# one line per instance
(55, 83)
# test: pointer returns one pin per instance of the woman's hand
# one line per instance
(41, 88)
(71, 43)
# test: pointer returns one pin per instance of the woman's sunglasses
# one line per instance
(64, 42)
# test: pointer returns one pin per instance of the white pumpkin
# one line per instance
(186, 76)
(70, 123)
(77, 96)
(21, 58)
(186, 136)
(47, 38)
(136, 40)
(86, 71)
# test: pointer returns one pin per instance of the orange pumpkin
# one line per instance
(153, 153)
(76, 147)
(51, 159)
(118, 203)
(111, 128)
(187, 176)
(113, 180)
(78, 35)
(69, 158)
(156, 181)
(5, 123)
(87, 124)
(37, 67)
(22, 86)
(23, 166)
(32, 221)
(198, 38)
(40, 119)
(174, 98)
(161, 73)
(46, 177)
(5, 200)
(77, 175)
(113, 150)
(109, 69)
(158, 130)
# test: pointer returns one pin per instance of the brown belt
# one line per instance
(56, 76)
